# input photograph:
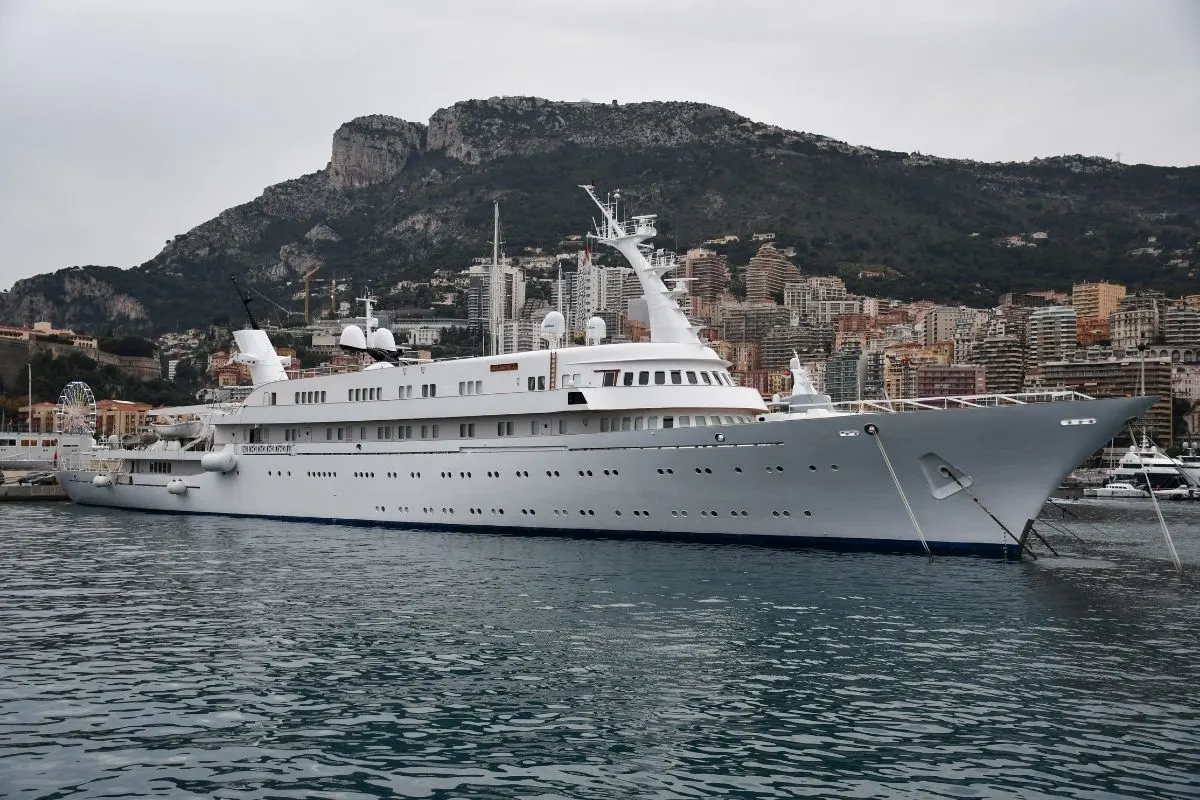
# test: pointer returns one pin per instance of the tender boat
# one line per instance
(1119, 489)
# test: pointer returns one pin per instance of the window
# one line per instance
(541, 383)
(626, 423)
(424, 431)
(404, 432)
(424, 390)
(668, 422)
(462, 387)
(575, 378)
(562, 426)
(715, 420)
(350, 394)
(322, 397)
(728, 420)
(691, 376)
(329, 434)
(638, 422)
(676, 377)
(341, 434)
(700, 423)
(643, 378)
(297, 398)
(565, 378)
(362, 433)
(466, 430)
(627, 379)
(435, 431)
(707, 380)
(604, 425)
(478, 387)
(652, 422)
(660, 377)
(608, 378)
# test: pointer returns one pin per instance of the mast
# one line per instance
(495, 283)
(668, 323)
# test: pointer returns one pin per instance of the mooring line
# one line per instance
(1158, 510)
(873, 431)
(1022, 545)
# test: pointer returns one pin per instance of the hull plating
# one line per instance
(816, 480)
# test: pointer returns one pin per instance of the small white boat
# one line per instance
(1117, 489)
(175, 428)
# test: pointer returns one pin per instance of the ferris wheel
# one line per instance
(76, 409)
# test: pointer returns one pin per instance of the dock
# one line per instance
(11, 491)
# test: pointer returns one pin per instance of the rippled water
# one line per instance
(150, 655)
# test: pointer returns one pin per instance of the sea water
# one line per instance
(146, 655)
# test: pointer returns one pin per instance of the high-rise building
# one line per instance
(750, 321)
(950, 380)
(940, 323)
(709, 275)
(769, 270)
(780, 342)
(1096, 300)
(1181, 326)
(478, 294)
(1120, 377)
(1137, 320)
(1003, 359)
(1051, 334)
(842, 374)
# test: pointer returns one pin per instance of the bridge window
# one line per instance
(668, 422)
(627, 379)
(691, 376)
(643, 378)
(660, 377)
(652, 422)
(608, 377)
(676, 377)
(685, 422)
(705, 378)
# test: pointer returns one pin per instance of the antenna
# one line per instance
(245, 298)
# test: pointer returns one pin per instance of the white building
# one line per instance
(1051, 334)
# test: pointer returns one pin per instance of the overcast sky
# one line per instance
(123, 123)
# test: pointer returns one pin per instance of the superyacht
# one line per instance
(639, 439)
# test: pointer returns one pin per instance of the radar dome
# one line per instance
(554, 325)
(595, 331)
(353, 337)
(384, 340)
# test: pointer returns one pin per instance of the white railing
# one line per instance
(964, 401)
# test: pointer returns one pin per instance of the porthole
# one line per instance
(697, 470)
(704, 513)
(674, 513)
(745, 513)
(605, 472)
(812, 467)
(808, 513)
(774, 513)
(591, 512)
(708, 471)
(660, 472)
(618, 513)
(834, 467)
(738, 470)
(780, 469)
(787, 513)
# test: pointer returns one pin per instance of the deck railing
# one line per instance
(964, 401)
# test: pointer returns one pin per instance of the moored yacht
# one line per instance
(651, 439)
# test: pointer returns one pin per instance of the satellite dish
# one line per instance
(595, 331)
(353, 337)
(384, 340)
(553, 327)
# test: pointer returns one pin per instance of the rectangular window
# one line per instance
(676, 377)
(707, 380)
(700, 422)
(608, 378)
(604, 425)
(462, 387)
(435, 431)
(470, 429)
(499, 428)
(564, 379)
(628, 379)
(638, 422)
(652, 423)
(433, 390)
(350, 395)
(531, 383)
(424, 431)
(626, 423)
(379, 433)
(660, 377)
(575, 376)
(329, 434)
(715, 420)
(728, 420)
(562, 426)
(462, 430)
(643, 378)
(685, 422)
(668, 422)
(691, 376)
(408, 431)
(478, 387)
(341, 434)
(297, 398)
(541, 383)
(424, 390)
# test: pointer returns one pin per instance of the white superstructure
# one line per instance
(637, 439)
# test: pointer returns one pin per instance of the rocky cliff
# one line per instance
(399, 199)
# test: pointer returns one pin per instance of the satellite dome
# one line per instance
(595, 331)
(554, 325)
(384, 340)
(353, 337)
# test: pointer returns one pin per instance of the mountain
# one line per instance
(399, 199)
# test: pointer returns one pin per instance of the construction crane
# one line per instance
(308, 293)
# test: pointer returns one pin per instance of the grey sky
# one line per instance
(123, 123)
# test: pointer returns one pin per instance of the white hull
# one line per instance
(822, 480)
